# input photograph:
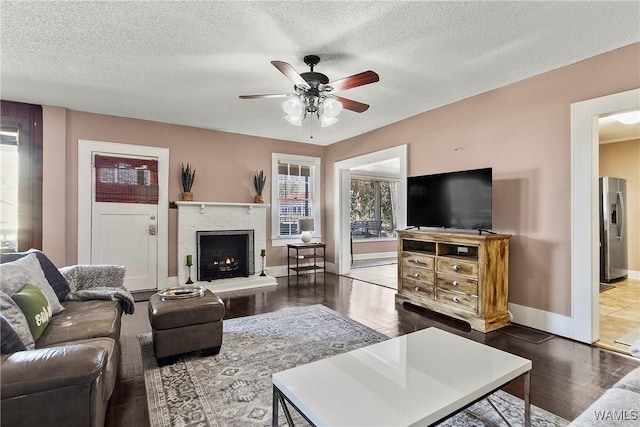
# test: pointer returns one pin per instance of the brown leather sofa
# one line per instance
(68, 378)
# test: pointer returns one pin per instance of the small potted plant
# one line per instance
(188, 175)
(258, 183)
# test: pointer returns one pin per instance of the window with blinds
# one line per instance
(296, 198)
(126, 180)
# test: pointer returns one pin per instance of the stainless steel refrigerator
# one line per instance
(613, 229)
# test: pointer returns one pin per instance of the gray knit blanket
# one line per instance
(104, 282)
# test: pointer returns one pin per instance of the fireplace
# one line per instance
(223, 254)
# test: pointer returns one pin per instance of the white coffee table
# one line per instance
(416, 379)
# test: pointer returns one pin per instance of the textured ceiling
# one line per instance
(187, 62)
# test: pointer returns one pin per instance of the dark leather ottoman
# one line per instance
(185, 325)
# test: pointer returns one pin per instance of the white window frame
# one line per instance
(276, 158)
(379, 178)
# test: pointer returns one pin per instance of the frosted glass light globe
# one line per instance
(331, 107)
(293, 107)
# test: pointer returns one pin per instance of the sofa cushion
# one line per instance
(12, 313)
(36, 308)
(10, 342)
(14, 275)
(83, 320)
(51, 273)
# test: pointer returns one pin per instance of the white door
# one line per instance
(124, 216)
(130, 229)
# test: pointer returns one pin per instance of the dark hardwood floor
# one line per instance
(567, 376)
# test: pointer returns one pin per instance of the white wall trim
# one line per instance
(317, 183)
(342, 230)
(554, 323)
(375, 255)
(633, 274)
(585, 261)
(85, 150)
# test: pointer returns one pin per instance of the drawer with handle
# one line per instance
(418, 289)
(457, 283)
(418, 274)
(454, 299)
(413, 259)
(453, 265)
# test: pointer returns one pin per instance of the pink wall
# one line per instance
(522, 131)
(54, 189)
(225, 164)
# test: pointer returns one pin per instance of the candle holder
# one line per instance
(189, 264)
(263, 253)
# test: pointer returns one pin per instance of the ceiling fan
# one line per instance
(314, 93)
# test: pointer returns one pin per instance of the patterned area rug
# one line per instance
(234, 388)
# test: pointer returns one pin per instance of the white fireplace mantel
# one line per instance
(204, 205)
(214, 216)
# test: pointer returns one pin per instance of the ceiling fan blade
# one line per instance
(291, 74)
(360, 79)
(268, 95)
(352, 105)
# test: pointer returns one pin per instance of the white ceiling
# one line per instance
(611, 130)
(187, 62)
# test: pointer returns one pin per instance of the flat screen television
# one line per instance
(458, 200)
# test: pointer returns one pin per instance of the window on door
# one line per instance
(295, 195)
(126, 180)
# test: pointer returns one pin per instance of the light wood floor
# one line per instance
(383, 272)
(619, 314)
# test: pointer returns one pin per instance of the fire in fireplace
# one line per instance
(223, 254)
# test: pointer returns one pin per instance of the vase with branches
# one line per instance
(258, 183)
(188, 175)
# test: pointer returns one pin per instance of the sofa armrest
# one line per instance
(46, 369)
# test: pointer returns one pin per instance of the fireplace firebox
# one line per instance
(223, 254)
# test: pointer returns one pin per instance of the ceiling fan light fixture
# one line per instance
(327, 121)
(293, 107)
(294, 120)
(331, 107)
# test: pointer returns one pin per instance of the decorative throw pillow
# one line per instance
(35, 307)
(12, 313)
(14, 275)
(51, 273)
(10, 342)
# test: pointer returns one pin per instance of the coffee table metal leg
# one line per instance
(527, 402)
(278, 398)
(274, 407)
(493, 405)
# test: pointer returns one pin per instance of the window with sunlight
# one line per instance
(373, 208)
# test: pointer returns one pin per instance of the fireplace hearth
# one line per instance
(224, 254)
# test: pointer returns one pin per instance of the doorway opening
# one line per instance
(391, 159)
(619, 175)
(585, 254)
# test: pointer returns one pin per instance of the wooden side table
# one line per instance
(305, 257)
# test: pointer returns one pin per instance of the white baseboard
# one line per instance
(553, 323)
(633, 274)
(375, 255)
